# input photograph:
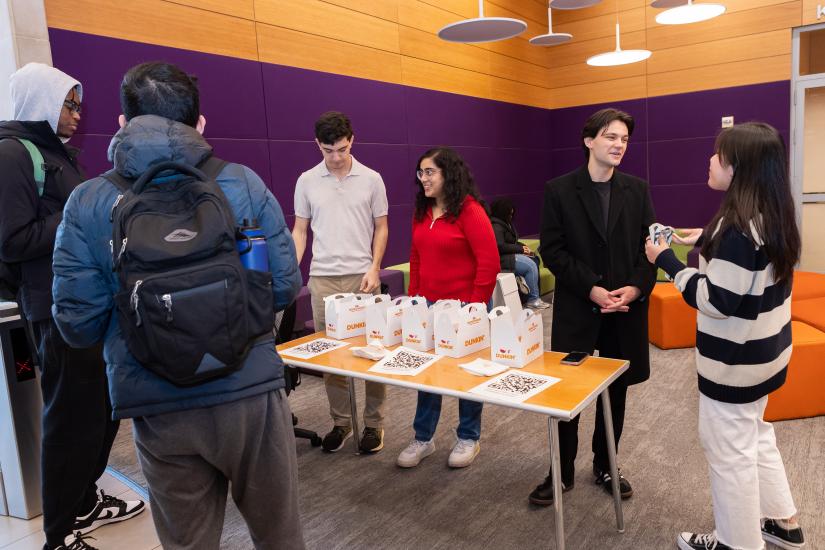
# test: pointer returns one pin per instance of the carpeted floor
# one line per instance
(367, 502)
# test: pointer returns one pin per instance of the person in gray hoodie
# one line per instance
(39, 171)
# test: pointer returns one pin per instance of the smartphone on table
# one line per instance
(575, 358)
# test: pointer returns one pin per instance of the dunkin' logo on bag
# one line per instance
(532, 348)
(533, 326)
(412, 338)
(505, 354)
(397, 332)
(476, 340)
(445, 344)
(356, 308)
(354, 326)
(475, 321)
(376, 334)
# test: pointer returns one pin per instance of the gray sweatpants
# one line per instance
(190, 457)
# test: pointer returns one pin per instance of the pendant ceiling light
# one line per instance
(689, 13)
(551, 38)
(573, 4)
(664, 4)
(618, 56)
(482, 29)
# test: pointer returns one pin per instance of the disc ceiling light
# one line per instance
(551, 38)
(482, 29)
(618, 56)
(689, 13)
(573, 4)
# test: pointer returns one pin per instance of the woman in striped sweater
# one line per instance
(742, 291)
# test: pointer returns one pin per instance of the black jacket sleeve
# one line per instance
(501, 240)
(24, 234)
(575, 274)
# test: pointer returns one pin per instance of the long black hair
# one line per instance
(759, 195)
(458, 183)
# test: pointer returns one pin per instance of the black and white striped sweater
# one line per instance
(743, 333)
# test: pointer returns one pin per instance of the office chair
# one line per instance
(284, 332)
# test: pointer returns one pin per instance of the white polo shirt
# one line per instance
(342, 217)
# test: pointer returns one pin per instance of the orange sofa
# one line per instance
(671, 322)
(803, 394)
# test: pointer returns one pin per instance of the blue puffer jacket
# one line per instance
(84, 284)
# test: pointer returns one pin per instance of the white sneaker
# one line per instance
(464, 453)
(538, 303)
(415, 453)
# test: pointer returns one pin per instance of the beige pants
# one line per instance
(337, 386)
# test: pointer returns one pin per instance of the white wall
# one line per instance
(24, 38)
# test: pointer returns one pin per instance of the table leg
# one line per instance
(611, 454)
(356, 429)
(555, 472)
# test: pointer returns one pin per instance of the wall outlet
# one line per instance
(727, 121)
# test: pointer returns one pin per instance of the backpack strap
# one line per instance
(121, 182)
(37, 162)
(211, 168)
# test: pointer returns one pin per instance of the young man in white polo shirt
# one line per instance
(345, 204)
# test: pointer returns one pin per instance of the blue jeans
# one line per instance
(428, 412)
(528, 269)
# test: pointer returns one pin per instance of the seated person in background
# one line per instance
(515, 257)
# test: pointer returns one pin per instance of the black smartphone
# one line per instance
(575, 358)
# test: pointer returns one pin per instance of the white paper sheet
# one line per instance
(483, 367)
(515, 386)
(311, 349)
(405, 362)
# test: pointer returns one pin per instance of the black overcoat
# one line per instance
(575, 247)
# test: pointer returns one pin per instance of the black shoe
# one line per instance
(604, 479)
(700, 541)
(335, 439)
(543, 494)
(791, 539)
(108, 509)
(74, 542)
(372, 440)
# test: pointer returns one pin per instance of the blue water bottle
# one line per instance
(252, 246)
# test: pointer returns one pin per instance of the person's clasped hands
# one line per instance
(612, 301)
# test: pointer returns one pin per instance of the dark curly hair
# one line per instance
(458, 183)
(332, 126)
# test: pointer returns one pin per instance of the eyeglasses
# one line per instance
(429, 172)
(73, 106)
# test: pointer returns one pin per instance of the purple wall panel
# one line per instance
(392, 162)
(400, 224)
(253, 153)
(685, 205)
(288, 160)
(699, 114)
(233, 102)
(449, 119)
(679, 162)
(296, 97)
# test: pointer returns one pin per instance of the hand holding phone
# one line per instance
(575, 358)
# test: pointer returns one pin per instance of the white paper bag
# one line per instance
(460, 331)
(515, 342)
(345, 315)
(384, 319)
(417, 324)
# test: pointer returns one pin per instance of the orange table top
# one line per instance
(577, 388)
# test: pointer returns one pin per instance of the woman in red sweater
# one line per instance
(453, 256)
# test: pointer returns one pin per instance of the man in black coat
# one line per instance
(38, 172)
(593, 229)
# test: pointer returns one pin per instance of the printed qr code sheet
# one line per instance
(515, 386)
(314, 348)
(405, 362)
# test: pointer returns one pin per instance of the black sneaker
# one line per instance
(74, 542)
(335, 439)
(700, 541)
(372, 440)
(543, 494)
(783, 538)
(604, 479)
(108, 509)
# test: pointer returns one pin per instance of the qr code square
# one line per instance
(405, 361)
(517, 384)
(315, 347)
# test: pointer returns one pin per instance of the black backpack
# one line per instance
(187, 308)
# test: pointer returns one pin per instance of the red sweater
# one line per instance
(454, 258)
